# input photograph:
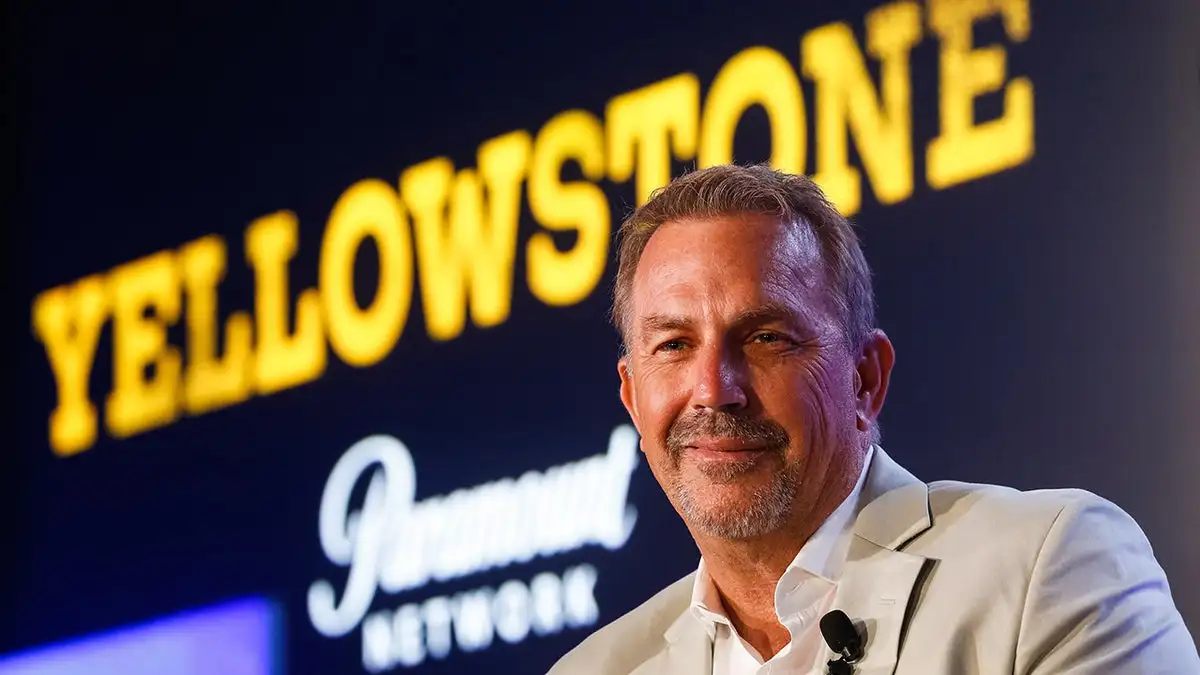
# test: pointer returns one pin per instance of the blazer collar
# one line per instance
(687, 648)
(895, 504)
(880, 580)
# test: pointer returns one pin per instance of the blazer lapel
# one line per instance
(879, 582)
(876, 590)
(687, 648)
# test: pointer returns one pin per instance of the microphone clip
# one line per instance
(840, 666)
(843, 639)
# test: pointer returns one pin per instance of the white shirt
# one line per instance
(802, 596)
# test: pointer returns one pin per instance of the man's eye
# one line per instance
(766, 338)
(671, 346)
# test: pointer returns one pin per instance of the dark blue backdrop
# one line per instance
(1042, 314)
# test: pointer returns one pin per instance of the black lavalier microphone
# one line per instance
(842, 637)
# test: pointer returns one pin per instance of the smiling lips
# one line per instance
(724, 449)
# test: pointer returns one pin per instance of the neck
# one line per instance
(746, 574)
(747, 571)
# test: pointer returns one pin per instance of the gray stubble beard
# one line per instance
(770, 505)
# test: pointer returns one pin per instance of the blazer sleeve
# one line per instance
(1098, 602)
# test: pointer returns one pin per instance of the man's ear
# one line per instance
(872, 376)
(628, 397)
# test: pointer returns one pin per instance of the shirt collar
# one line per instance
(823, 555)
(706, 600)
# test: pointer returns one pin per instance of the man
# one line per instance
(755, 374)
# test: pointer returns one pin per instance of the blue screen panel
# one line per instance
(238, 638)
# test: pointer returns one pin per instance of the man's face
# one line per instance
(740, 378)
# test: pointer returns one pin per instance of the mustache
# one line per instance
(686, 429)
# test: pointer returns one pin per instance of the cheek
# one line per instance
(807, 401)
(660, 399)
(830, 398)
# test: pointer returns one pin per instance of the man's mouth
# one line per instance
(723, 449)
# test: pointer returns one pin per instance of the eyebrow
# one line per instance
(662, 323)
(765, 313)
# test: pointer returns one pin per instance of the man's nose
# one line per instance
(718, 380)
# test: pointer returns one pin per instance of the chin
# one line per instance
(718, 498)
(734, 510)
(739, 523)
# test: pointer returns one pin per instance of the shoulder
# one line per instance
(1029, 529)
(631, 639)
(1006, 508)
(1067, 575)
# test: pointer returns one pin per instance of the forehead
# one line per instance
(727, 264)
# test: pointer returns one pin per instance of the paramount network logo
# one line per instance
(394, 544)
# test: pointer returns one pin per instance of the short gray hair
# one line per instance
(730, 189)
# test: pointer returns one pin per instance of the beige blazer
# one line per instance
(951, 578)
